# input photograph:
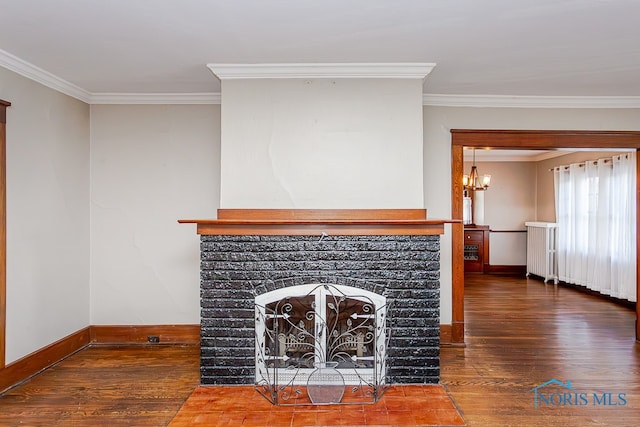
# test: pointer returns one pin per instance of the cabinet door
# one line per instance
(473, 251)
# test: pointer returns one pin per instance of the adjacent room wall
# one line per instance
(508, 204)
(511, 199)
(438, 122)
(520, 192)
(150, 166)
(322, 143)
(47, 215)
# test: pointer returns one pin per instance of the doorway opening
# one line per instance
(520, 139)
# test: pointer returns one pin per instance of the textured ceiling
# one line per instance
(488, 47)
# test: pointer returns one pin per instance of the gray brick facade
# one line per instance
(235, 269)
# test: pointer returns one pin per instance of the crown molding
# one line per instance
(329, 70)
(322, 70)
(479, 101)
(155, 98)
(30, 71)
(515, 101)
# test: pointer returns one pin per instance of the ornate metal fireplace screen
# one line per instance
(321, 344)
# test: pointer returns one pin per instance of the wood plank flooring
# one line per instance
(138, 385)
(520, 333)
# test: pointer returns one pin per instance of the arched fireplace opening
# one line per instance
(321, 343)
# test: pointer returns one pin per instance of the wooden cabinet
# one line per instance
(476, 248)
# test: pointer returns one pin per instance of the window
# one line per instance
(595, 212)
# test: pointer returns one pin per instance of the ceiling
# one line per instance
(499, 155)
(492, 47)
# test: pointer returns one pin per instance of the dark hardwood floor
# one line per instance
(520, 333)
(138, 385)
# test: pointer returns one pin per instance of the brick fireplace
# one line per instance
(247, 253)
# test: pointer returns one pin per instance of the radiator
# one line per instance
(541, 250)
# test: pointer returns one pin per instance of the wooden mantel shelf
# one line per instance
(298, 222)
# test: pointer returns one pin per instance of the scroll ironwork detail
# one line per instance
(321, 344)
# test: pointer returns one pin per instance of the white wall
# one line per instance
(511, 199)
(150, 166)
(322, 143)
(508, 248)
(47, 215)
(134, 146)
(438, 121)
(508, 204)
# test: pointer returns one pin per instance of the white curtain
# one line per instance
(595, 212)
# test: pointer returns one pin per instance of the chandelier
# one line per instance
(474, 181)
